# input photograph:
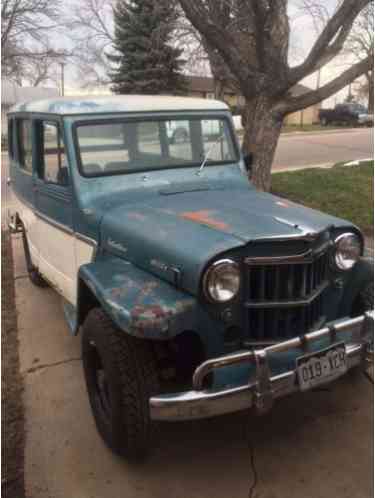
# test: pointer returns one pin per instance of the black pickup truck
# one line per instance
(351, 113)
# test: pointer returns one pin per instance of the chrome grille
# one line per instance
(284, 299)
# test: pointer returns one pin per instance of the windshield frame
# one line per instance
(155, 117)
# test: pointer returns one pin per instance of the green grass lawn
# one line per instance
(343, 191)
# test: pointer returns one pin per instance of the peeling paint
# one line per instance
(139, 304)
(204, 217)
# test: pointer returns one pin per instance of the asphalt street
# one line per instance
(310, 149)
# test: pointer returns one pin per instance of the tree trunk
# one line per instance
(261, 134)
(218, 89)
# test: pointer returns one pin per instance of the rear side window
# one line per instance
(53, 168)
(24, 129)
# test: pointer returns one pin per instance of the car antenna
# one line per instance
(206, 157)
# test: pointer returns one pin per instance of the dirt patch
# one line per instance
(12, 415)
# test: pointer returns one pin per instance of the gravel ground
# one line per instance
(12, 415)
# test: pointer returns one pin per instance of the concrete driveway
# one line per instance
(319, 444)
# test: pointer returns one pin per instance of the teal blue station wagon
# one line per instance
(195, 294)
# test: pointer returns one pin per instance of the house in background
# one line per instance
(200, 86)
(204, 87)
(12, 94)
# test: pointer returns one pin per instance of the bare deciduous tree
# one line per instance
(92, 32)
(25, 29)
(361, 46)
(252, 39)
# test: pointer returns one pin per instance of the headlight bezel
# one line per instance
(209, 273)
(339, 239)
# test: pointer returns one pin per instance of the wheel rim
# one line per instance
(101, 386)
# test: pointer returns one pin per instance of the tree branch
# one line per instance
(308, 99)
(331, 40)
(219, 37)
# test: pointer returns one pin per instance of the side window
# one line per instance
(148, 138)
(11, 138)
(53, 165)
(24, 129)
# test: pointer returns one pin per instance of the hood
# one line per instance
(175, 235)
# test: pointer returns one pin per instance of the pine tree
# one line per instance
(145, 60)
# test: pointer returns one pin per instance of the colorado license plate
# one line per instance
(321, 367)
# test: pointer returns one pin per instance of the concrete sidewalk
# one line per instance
(319, 444)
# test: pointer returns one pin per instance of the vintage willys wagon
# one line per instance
(196, 294)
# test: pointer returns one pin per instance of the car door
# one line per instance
(21, 160)
(54, 199)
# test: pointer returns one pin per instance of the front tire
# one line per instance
(121, 375)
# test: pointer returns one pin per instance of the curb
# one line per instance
(321, 132)
(299, 168)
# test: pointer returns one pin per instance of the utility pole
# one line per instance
(62, 65)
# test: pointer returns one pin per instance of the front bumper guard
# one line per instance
(262, 389)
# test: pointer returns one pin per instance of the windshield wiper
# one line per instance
(206, 157)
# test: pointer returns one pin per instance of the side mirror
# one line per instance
(248, 160)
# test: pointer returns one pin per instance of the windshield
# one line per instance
(118, 147)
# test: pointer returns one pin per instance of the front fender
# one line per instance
(139, 303)
(362, 274)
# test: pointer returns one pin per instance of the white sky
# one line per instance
(302, 39)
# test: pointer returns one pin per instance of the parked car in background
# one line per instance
(195, 295)
(351, 114)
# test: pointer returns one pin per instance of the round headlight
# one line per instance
(222, 281)
(348, 251)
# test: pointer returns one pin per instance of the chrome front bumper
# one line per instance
(262, 389)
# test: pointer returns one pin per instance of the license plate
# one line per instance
(321, 367)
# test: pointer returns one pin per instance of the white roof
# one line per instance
(119, 104)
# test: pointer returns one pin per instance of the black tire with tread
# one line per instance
(132, 376)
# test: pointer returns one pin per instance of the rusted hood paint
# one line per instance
(175, 236)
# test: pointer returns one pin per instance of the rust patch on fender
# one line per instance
(205, 217)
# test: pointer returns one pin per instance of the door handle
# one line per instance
(9, 181)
